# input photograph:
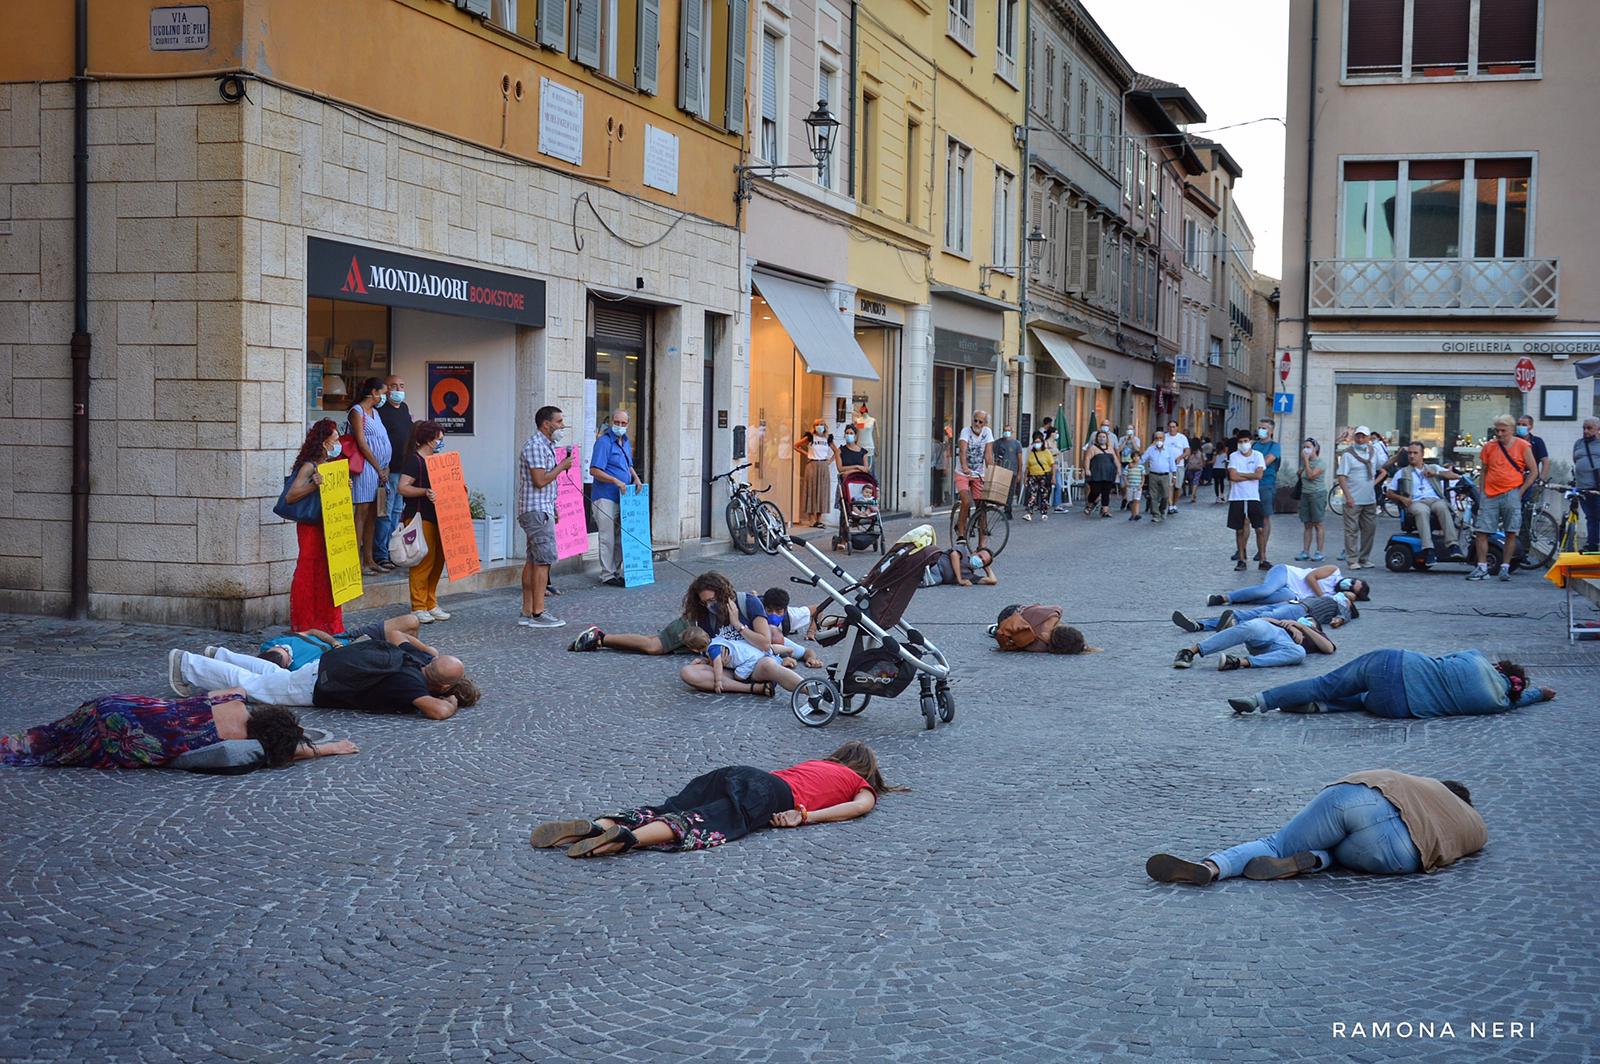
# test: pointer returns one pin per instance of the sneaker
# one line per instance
(1185, 658)
(1063, 509)
(1281, 867)
(1227, 620)
(1184, 621)
(1428, 557)
(615, 581)
(1257, 557)
(1479, 572)
(1172, 509)
(1318, 556)
(1234, 557)
(1230, 662)
(1133, 517)
(551, 589)
(591, 638)
(211, 652)
(1165, 868)
(1302, 557)
(1239, 566)
(1263, 565)
(1250, 704)
(439, 614)
(1217, 600)
(1027, 517)
(175, 674)
(423, 616)
(544, 620)
(1341, 556)
(1305, 707)
(1505, 572)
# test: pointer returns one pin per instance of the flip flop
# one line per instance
(616, 833)
(554, 833)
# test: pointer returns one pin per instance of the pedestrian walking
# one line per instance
(1357, 475)
(1311, 489)
(1161, 465)
(1058, 467)
(396, 418)
(1272, 453)
(612, 466)
(1586, 477)
(1102, 462)
(1508, 470)
(1041, 473)
(1133, 479)
(1245, 470)
(1219, 471)
(536, 513)
(1380, 822)
(1008, 455)
(1179, 443)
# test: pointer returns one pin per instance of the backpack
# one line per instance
(1015, 633)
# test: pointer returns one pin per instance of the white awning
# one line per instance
(818, 330)
(1071, 364)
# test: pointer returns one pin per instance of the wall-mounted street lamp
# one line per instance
(822, 132)
(1035, 241)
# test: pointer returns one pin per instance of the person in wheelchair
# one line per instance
(1419, 489)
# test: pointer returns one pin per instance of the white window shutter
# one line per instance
(738, 51)
(1077, 241)
(646, 71)
(690, 42)
(553, 24)
(586, 33)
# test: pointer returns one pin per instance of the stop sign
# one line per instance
(1525, 374)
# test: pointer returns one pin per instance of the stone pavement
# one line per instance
(387, 906)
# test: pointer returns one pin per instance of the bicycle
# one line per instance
(988, 527)
(753, 522)
(1551, 538)
(1387, 507)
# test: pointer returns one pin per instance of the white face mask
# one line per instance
(1245, 447)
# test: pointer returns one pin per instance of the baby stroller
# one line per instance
(887, 654)
(860, 524)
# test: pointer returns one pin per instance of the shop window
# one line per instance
(345, 343)
(1441, 38)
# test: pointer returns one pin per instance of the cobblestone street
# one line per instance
(387, 906)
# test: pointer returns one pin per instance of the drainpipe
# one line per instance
(1311, 175)
(82, 343)
(855, 38)
(1024, 257)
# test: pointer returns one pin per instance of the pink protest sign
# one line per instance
(572, 531)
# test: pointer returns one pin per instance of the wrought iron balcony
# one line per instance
(1521, 288)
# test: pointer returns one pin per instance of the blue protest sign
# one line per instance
(638, 558)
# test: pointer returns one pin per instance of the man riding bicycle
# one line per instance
(974, 453)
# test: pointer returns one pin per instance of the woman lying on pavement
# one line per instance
(214, 732)
(1403, 683)
(1285, 582)
(710, 597)
(728, 803)
(753, 670)
(1379, 821)
(1331, 611)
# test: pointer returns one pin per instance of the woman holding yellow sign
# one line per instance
(311, 592)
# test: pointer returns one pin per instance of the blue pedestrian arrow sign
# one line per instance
(1283, 403)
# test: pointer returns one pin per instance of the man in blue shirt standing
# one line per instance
(611, 465)
(1269, 449)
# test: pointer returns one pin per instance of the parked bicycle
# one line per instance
(1387, 507)
(753, 522)
(1550, 537)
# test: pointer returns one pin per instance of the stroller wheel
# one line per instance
(816, 701)
(947, 705)
(930, 712)
(852, 706)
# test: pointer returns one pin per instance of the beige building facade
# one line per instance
(1438, 230)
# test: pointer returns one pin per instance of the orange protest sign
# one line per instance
(455, 516)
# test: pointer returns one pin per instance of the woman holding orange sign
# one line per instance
(417, 490)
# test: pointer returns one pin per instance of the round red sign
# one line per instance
(1525, 374)
(1283, 368)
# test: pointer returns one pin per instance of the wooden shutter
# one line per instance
(1093, 249)
(1439, 32)
(690, 42)
(1077, 237)
(553, 24)
(1375, 34)
(1508, 32)
(738, 60)
(647, 69)
(586, 33)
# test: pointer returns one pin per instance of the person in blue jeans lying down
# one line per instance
(1268, 643)
(1402, 684)
(1285, 582)
(1331, 611)
(1380, 821)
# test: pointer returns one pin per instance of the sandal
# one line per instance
(554, 833)
(613, 835)
(764, 690)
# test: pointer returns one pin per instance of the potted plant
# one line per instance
(490, 532)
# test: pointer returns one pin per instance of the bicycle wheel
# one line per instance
(739, 526)
(1542, 533)
(989, 527)
(1387, 507)
(1336, 500)
(769, 527)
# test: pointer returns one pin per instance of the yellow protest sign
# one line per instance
(339, 530)
(455, 514)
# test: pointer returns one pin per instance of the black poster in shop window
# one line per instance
(450, 396)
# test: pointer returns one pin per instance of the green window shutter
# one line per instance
(738, 53)
(646, 70)
(553, 24)
(690, 43)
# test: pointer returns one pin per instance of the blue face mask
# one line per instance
(1344, 585)
(337, 447)
(775, 619)
(619, 431)
(1522, 430)
(397, 397)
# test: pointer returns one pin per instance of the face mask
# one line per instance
(619, 431)
(1308, 451)
(819, 429)
(1244, 447)
(775, 619)
(397, 397)
(1343, 585)
(555, 436)
(1307, 621)
(1522, 430)
(1006, 434)
(849, 437)
(1261, 433)
(333, 452)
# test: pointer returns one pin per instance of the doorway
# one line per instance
(949, 416)
(715, 324)
(620, 369)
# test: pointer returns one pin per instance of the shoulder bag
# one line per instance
(349, 450)
(407, 544)
(305, 511)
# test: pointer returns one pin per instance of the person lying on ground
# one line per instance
(1037, 629)
(1379, 821)
(1402, 684)
(1330, 611)
(710, 597)
(373, 676)
(727, 804)
(733, 664)
(1285, 582)
(300, 648)
(962, 566)
(213, 732)
(1268, 642)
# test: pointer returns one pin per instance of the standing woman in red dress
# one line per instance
(311, 593)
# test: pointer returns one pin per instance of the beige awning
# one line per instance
(820, 333)
(1071, 363)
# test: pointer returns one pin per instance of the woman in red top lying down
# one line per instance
(729, 803)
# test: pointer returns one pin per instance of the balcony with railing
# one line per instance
(1399, 288)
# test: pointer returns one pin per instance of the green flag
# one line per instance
(1089, 435)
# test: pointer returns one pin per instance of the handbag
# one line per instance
(349, 451)
(304, 511)
(407, 544)
(1299, 487)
